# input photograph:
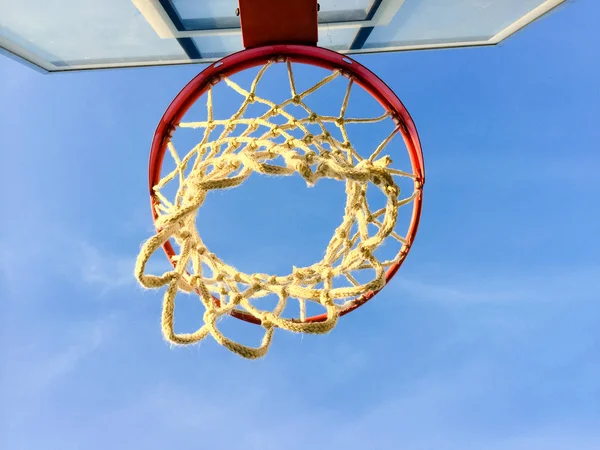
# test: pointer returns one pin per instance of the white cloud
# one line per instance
(37, 363)
(449, 410)
(539, 285)
(26, 264)
(100, 268)
(37, 360)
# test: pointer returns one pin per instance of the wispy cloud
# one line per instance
(103, 269)
(456, 410)
(539, 285)
(38, 363)
(42, 358)
(59, 252)
(500, 169)
(449, 410)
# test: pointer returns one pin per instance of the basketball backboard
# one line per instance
(70, 35)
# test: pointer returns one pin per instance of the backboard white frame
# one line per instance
(161, 23)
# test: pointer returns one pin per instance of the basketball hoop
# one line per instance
(226, 161)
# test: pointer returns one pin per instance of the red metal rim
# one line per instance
(315, 56)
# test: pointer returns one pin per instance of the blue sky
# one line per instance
(488, 337)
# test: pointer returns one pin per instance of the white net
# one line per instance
(276, 143)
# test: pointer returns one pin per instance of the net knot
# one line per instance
(364, 251)
(265, 321)
(310, 156)
(194, 281)
(210, 315)
(257, 284)
(298, 273)
(383, 162)
(392, 190)
(326, 299)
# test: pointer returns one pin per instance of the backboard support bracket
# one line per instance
(265, 22)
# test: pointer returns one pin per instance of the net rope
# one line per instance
(226, 162)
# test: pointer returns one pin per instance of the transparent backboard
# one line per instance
(68, 35)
